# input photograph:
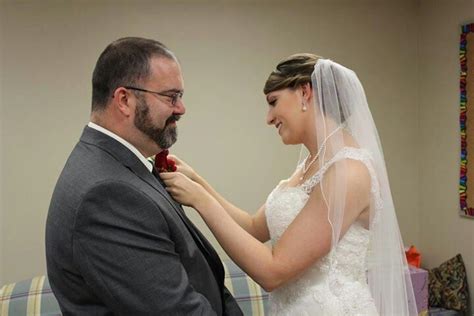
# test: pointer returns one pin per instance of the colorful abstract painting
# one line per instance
(466, 57)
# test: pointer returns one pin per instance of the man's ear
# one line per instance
(123, 101)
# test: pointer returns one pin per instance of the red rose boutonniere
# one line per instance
(163, 164)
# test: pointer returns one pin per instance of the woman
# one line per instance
(336, 245)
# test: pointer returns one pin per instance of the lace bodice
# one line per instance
(337, 283)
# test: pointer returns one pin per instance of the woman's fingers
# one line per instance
(174, 157)
(168, 176)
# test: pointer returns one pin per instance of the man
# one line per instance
(116, 242)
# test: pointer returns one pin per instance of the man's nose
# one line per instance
(179, 108)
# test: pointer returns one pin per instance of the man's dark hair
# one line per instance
(124, 62)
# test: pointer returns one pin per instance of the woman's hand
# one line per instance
(184, 190)
(184, 168)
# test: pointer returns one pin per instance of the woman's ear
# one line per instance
(307, 91)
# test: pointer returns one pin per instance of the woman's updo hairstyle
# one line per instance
(291, 72)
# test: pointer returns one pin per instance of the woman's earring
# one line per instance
(304, 107)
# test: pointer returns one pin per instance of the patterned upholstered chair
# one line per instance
(34, 296)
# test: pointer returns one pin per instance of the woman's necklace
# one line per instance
(306, 167)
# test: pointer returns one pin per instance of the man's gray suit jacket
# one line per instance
(118, 244)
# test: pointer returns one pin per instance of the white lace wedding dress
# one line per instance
(337, 283)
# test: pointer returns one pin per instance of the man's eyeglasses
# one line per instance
(174, 96)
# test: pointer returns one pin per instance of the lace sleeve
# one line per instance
(361, 155)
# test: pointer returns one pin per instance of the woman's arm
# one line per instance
(255, 225)
(307, 239)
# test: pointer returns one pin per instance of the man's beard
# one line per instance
(163, 137)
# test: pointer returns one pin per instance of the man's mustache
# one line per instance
(173, 118)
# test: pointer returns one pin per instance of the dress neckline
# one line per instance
(301, 185)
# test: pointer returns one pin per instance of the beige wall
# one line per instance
(1, 146)
(443, 233)
(227, 50)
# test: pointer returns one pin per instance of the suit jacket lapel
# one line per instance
(131, 161)
(155, 181)
(203, 244)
